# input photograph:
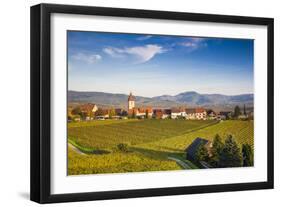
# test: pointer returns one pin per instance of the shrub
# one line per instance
(123, 147)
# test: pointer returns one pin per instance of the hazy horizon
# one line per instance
(155, 65)
(160, 94)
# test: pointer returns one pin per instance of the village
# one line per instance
(91, 111)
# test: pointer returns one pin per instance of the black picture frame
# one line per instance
(41, 99)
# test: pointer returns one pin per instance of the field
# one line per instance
(150, 145)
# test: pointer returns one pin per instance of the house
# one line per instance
(178, 113)
(89, 110)
(166, 113)
(191, 150)
(196, 113)
(89, 107)
(224, 115)
(242, 116)
(144, 111)
(120, 112)
(141, 112)
(158, 113)
(102, 114)
(211, 114)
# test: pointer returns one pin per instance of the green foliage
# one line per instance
(201, 153)
(216, 151)
(80, 147)
(111, 113)
(237, 111)
(123, 147)
(76, 111)
(230, 155)
(248, 155)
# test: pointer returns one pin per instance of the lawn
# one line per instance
(153, 145)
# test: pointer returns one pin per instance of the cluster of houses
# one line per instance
(92, 111)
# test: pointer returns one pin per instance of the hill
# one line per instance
(189, 98)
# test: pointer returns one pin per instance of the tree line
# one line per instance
(225, 154)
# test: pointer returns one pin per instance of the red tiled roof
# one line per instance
(194, 110)
(177, 110)
(87, 107)
(167, 111)
(199, 110)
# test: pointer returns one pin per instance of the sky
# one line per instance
(154, 65)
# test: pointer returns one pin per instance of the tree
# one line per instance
(111, 113)
(124, 113)
(216, 151)
(244, 110)
(230, 155)
(83, 115)
(201, 153)
(76, 111)
(99, 112)
(146, 114)
(248, 155)
(91, 114)
(133, 114)
(237, 111)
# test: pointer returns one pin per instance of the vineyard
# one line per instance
(107, 136)
(149, 144)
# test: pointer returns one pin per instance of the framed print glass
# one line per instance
(133, 103)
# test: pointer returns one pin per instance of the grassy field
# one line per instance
(153, 145)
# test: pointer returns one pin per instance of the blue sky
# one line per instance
(153, 65)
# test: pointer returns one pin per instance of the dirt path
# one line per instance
(76, 149)
(181, 163)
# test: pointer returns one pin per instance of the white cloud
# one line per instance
(88, 58)
(141, 53)
(114, 52)
(194, 43)
(146, 37)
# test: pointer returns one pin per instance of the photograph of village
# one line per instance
(141, 103)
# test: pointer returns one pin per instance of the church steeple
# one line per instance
(131, 101)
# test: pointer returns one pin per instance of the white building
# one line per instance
(196, 113)
(177, 113)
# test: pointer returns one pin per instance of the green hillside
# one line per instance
(150, 145)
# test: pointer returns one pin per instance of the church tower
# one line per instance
(131, 101)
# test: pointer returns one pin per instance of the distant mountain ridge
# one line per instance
(189, 98)
(194, 98)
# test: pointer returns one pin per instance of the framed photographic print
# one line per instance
(133, 103)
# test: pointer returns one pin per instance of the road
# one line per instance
(76, 149)
(181, 163)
